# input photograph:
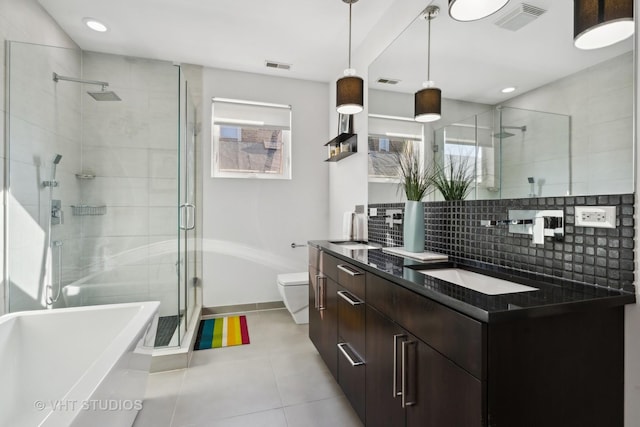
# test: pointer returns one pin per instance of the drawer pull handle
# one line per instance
(347, 356)
(349, 298)
(396, 393)
(349, 270)
(405, 377)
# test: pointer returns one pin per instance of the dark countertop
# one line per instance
(555, 296)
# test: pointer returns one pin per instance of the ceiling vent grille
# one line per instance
(278, 65)
(384, 81)
(519, 17)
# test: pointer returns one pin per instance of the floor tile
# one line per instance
(278, 380)
(272, 418)
(332, 412)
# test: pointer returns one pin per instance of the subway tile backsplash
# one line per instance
(598, 256)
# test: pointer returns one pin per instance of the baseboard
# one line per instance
(212, 311)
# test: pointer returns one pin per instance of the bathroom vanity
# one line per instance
(411, 348)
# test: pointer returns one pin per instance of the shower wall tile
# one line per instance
(118, 222)
(128, 250)
(163, 220)
(163, 163)
(162, 191)
(116, 162)
(602, 257)
(113, 191)
(163, 249)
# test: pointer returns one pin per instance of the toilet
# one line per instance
(294, 289)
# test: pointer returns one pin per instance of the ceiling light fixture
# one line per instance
(508, 89)
(350, 88)
(601, 23)
(95, 25)
(472, 10)
(427, 102)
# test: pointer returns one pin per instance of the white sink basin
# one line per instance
(478, 282)
(354, 245)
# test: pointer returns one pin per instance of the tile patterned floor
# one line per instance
(278, 380)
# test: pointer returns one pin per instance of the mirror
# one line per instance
(568, 126)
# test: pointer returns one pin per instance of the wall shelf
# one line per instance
(343, 145)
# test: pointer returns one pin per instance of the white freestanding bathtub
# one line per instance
(81, 366)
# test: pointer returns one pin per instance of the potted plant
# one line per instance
(454, 179)
(416, 181)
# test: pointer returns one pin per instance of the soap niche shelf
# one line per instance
(346, 143)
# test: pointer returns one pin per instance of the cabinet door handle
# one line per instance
(405, 372)
(396, 393)
(349, 270)
(316, 292)
(341, 347)
(319, 292)
(349, 298)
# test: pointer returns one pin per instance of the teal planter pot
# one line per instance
(413, 226)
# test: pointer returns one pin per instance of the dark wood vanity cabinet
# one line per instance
(405, 360)
(409, 383)
(323, 308)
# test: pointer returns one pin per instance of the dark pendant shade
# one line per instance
(600, 23)
(349, 95)
(427, 104)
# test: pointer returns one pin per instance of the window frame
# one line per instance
(417, 143)
(216, 172)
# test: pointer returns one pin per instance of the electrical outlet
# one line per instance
(596, 216)
(373, 211)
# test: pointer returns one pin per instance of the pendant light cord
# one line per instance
(429, 49)
(350, 5)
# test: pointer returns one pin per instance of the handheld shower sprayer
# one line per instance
(52, 182)
(532, 182)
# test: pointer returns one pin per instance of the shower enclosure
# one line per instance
(511, 152)
(100, 174)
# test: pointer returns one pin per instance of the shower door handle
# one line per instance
(187, 216)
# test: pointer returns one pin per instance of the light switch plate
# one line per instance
(596, 216)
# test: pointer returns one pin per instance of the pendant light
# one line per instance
(427, 102)
(350, 88)
(472, 10)
(600, 23)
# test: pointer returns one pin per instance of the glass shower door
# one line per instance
(187, 211)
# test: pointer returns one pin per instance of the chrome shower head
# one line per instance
(57, 159)
(104, 95)
(503, 134)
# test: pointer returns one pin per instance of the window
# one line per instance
(251, 139)
(389, 136)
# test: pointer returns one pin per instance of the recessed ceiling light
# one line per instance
(95, 25)
(508, 89)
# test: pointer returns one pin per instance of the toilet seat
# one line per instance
(293, 279)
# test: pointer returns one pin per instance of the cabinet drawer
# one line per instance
(330, 266)
(351, 320)
(351, 278)
(458, 337)
(351, 377)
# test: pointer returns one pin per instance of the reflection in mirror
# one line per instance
(590, 92)
(514, 153)
(388, 137)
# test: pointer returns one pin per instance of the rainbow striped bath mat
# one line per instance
(222, 332)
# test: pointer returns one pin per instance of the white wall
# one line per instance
(25, 21)
(249, 224)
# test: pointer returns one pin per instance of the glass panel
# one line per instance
(93, 183)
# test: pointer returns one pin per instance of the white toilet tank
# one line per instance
(294, 290)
